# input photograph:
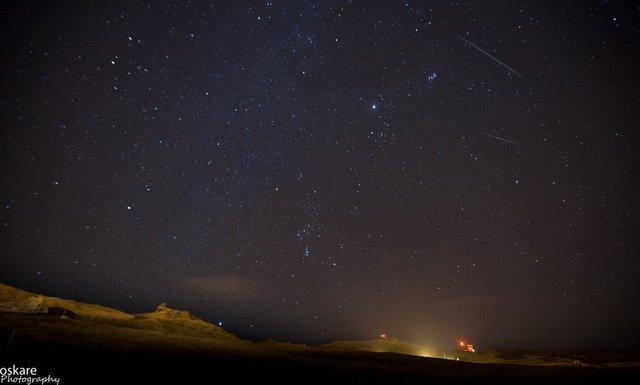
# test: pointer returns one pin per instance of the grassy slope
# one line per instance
(388, 345)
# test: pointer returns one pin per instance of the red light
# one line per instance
(462, 343)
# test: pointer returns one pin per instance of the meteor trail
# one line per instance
(499, 138)
(488, 54)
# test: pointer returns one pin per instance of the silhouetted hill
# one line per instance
(84, 343)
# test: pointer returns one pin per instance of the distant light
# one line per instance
(219, 323)
(462, 343)
(374, 106)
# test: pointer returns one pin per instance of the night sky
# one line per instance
(320, 170)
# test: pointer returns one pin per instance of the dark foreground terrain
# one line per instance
(90, 344)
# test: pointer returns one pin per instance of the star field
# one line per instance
(320, 170)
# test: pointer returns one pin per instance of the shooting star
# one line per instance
(498, 138)
(488, 54)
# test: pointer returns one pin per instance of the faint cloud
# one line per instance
(472, 302)
(222, 289)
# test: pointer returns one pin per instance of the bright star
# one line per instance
(373, 106)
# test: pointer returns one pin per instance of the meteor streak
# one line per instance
(488, 54)
(499, 138)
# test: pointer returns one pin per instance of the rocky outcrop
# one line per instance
(165, 311)
(33, 304)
